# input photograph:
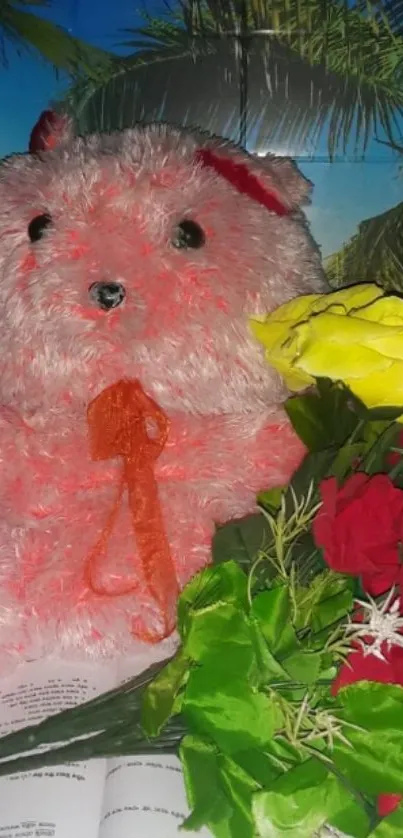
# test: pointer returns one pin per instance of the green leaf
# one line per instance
(325, 418)
(374, 760)
(300, 801)
(314, 468)
(337, 396)
(354, 820)
(272, 610)
(160, 696)
(391, 826)
(373, 705)
(225, 583)
(219, 790)
(271, 500)
(264, 768)
(345, 460)
(306, 559)
(373, 430)
(384, 414)
(241, 541)
(375, 458)
(304, 666)
(65, 53)
(327, 599)
(240, 787)
(207, 800)
(269, 667)
(282, 754)
(221, 636)
(307, 420)
(328, 611)
(228, 710)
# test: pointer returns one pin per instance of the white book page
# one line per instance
(145, 798)
(56, 802)
(145, 795)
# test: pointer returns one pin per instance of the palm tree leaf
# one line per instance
(305, 79)
(28, 31)
(374, 254)
(393, 9)
(174, 88)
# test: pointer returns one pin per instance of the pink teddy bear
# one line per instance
(137, 411)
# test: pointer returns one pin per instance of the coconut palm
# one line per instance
(25, 30)
(312, 68)
(374, 254)
(394, 12)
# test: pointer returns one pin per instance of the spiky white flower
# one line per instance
(382, 625)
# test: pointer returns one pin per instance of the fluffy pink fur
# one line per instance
(182, 330)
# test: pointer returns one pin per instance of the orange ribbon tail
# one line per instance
(119, 420)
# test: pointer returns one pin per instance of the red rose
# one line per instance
(368, 668)
(389, 671)
(360, 527)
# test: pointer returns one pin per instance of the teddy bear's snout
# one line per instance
(107, 295)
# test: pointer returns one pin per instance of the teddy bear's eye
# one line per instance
(188, 234)
(38, 225)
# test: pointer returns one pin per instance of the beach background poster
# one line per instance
(319, 80)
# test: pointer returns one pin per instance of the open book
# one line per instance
(119, 798)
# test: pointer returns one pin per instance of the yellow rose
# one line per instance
(354, 335)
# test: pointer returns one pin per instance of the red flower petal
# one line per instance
(359, 528)
(376, 584)
(366, 668)
(387, 803)
(353, 487)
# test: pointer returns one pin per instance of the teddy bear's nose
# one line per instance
(107, 295)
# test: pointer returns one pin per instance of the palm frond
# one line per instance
(27, 31)
(393, 9)
(322, 67)
(359, 57)
(374, 254)
(174, 87)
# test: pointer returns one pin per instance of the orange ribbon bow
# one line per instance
(117, 421)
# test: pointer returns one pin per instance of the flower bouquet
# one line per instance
(284, 699)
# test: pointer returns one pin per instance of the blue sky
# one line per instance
(345, 192)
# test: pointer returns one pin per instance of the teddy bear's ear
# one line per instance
(51, 130)
(274, 182)
(294, 186)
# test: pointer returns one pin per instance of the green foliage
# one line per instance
(29, 31)
(374, 254)
(258, 726)
(391, 826)
(372, 760)
(160, 700)
(342, 435)
(288, 805)
(324, 67)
